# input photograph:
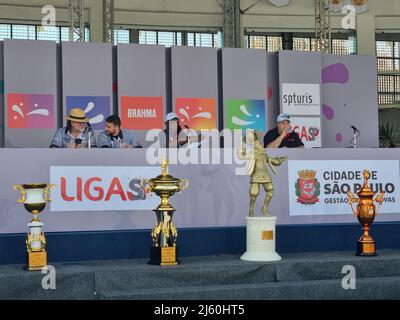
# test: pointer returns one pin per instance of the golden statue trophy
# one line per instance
(164, 235)
(260, 231)
(365, 213)
(34, 196)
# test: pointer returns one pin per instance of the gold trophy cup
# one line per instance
(34, 196)
(164, 235)
(365, 213)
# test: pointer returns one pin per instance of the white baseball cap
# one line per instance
(171, 116)
(283, 117)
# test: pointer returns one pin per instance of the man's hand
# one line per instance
(71, 145)
(82, 146)
(283, 133)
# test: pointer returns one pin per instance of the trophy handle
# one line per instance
(183, 184)
(145, 184)
(46, 192)
(22, 191)
(352, 199)
(379, 200)
(355, 212)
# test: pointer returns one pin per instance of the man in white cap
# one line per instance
(282, 136)
(175, 138)
(77, 134)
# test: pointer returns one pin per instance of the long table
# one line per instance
(216, 197)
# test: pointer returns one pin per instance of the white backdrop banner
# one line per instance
(301, 99)
(98, 188)
(320, 187)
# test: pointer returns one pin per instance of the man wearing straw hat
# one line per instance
(77, 134)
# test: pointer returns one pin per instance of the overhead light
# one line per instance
(360, 6)
(280, 3)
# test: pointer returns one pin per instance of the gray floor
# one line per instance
(297, 276)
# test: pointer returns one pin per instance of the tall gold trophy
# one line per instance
(365, 213)
(164, 235)
(34, 197)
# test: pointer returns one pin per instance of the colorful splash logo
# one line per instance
(245, 114)
(336, 73)
(97, 109)
(30, 111)
(307, 187)
(142, 113)
(197, 113)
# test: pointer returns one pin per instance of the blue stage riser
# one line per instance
(132, 244)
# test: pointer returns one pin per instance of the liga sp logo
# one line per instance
(307, 187)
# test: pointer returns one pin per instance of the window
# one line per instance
(64, 34)
(269, 43)
(388, 53)
(198, 39)
(338, 46)
(257, 42)
(31, 32)
(5, 31)
(304, 44)
(169, 39)
(166, 38)
(147, 37)
(344, 46)
(23, 32)
(274, 44)
(121, 36)
(48, 33)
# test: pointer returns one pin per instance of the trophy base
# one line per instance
(164, 256)
(260, 240)
(366, 249)
(261, 256)
(36, 260)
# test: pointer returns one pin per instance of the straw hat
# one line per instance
(77, 115)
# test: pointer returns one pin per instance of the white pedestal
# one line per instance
(260, 239)
(35, 229)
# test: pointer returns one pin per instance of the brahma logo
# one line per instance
(307, 187)
(142, 113)
(101, 188)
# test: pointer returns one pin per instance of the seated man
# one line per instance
(172, 130)
(176, 136)
(115, 137)
(282, 136)
(77, 134)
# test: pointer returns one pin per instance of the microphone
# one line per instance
(78, 141)
(355, 129)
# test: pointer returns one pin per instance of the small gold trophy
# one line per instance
(164, 235)
(365, 213)
(34, 196)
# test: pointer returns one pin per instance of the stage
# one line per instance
(305, 276)
(210, 215)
